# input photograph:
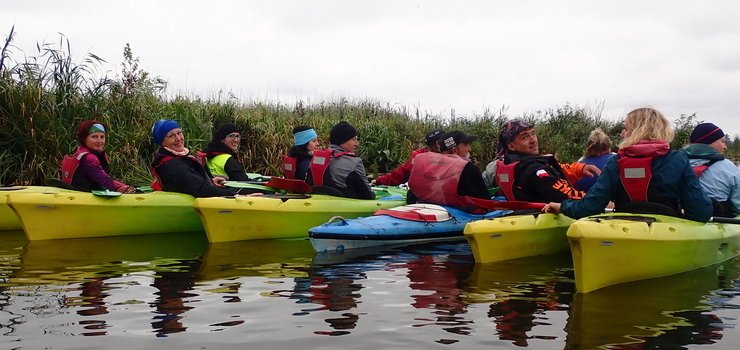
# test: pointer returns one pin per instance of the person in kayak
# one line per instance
(88, 168)
(645, 176)
(719, 177)
(449, 177)
(400, 174)
(298, 161)
(337, 169)
(176, 170)
(220, 157)
(523, 174)
(598, 151)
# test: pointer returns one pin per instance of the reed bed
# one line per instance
(44, 97)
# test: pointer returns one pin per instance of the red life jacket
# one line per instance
(290, 164)
(434, 179)
(320, 162)
(157, 182)
(71, 162)
(700, 169)
(635, 167)
(505, 178)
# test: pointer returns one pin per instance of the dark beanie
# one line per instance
(341, 133)
(83, 130)
(223, 131)
(706, 133)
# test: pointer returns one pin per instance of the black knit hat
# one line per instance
(341, 133)
(706, 133)
(224, 131)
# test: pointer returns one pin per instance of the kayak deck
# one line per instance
(269, 217)
(81, 215)
(517, 236)
(610, 249)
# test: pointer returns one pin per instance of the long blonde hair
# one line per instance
(646, 124)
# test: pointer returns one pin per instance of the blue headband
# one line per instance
(96, 128)
(303, 137)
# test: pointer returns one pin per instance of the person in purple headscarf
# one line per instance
(525, 175)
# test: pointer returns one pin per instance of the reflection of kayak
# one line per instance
(81, 214)
(266, 257)
(610, 249)
(415, 223)
(8, 219)
(77, 260)
(518, 236)
(628, 313)
(497, 281)
(261, 217)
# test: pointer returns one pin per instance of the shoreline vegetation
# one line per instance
(44, 97)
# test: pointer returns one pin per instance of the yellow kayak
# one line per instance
(261, 217)
(75, 214)
(609, 249)
(518, 236)
(8, 220)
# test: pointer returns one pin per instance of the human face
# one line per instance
(312, 145)
(627, 131)
(95, 142)
(525, 142)
(351, 144)
(174, 140)
(462, 150)
(232, 141)
(720, 145)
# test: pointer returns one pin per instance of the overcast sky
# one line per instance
(681, 57)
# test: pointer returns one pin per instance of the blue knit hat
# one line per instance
(706, 133)
(161, 128)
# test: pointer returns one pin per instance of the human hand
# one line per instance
(551, 207)
(218, 181)
(591, 170)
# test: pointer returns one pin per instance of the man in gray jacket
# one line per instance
(338, 167)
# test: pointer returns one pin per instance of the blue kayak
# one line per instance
(408, 224)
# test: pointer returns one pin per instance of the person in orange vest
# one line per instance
(523, 174)
(400, 175)
(88, 168)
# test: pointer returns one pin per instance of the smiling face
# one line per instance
(525, 142)
(174, 140)
(95, 142)
(232, 141)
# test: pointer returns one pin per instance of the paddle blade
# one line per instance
(290, 185)
(106, 193)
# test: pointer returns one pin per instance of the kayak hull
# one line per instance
(8, 220)
(518, 236)
(379, 230)
(84, 215)
(610, 249)
(270, 217)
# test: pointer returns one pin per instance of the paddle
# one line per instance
(106, 193)
(249, 184)
(11, 188)
(723, 220)
(290, 185)
(513, 205)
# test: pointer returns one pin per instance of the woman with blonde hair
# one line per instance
(644, 176)
(598, 152)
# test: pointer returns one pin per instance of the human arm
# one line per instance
(185, 176)
(90, 164)
(596, 199)
(695, 203)
(544, 184)
(398, 175)
(234, 170)
(471, 183)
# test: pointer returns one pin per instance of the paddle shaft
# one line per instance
(723, 220)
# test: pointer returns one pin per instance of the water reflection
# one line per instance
(673, 311)
(179, 286)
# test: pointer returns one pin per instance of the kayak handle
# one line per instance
(338, 218)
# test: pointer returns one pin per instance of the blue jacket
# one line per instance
(585, 183)
(673, 180)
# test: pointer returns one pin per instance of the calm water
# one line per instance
(177, 291)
